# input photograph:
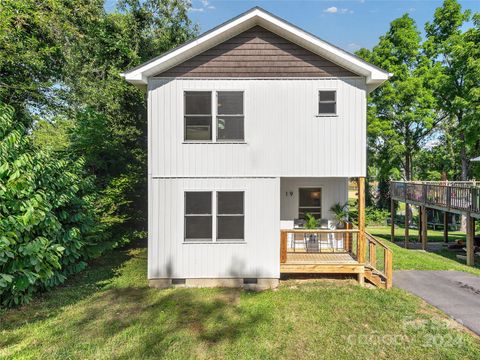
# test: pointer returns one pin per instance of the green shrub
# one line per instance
(375, 216)
(48, 226)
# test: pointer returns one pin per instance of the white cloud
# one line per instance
(202, 6)
(354, 46)
(331, 10)
(335, 10)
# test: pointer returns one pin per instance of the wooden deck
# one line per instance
(321, 263)
(319, 258)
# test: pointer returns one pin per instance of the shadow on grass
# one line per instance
(435, 243)
(110, 300)
(99, 272)
(172, 316)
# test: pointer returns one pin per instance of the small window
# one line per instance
(230, 215)
(310, 201)
(230, 117)
(198, 216)
(327, 102)
(198, 115)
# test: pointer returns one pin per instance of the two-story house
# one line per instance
(251, 126)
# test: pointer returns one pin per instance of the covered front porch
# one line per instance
(333, 246)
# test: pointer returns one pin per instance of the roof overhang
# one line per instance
(374, 76)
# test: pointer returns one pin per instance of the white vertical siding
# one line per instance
(283, 135)
(334, 190)
(257, 256)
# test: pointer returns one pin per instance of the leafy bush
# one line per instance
(48, 226)
(375, 216)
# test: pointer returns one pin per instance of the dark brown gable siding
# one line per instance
(257, 52)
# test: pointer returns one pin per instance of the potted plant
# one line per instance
(341, 214)
(310, 225)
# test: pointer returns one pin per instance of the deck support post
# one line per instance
(392, 220)
(445, 226)
(348, 237)
(361, 279)
(407, 224)
(283, 247)
(470, 240)
(424, 222)
(361, 220)
(420, 223)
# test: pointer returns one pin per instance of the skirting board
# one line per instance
(261, 284)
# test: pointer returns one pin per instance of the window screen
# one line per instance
(310, 201)
(230, 117)
(327, 102)
(198, 215)
(198, 115)
(230, 215)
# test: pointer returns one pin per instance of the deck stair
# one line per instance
(378, 266)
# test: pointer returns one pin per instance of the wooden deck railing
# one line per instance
(326, 241)
(380, 259)
(460, 196)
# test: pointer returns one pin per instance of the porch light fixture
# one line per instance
(315, 195)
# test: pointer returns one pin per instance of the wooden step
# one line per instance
(374, 277)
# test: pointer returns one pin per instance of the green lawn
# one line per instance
(108, 311)
(408, 259)
(433, 235)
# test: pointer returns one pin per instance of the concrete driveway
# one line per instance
(454, 292)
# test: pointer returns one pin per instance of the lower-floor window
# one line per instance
(198, 215)
(226, 208)
(230, 215)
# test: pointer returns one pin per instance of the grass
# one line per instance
(408, 259)
(108, 312)
(433, 235)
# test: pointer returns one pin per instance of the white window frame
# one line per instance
(185, 215)
(217, 215)
(212, 115)
(327, 102)
(214, 124)
(214, 215)
(216, 117)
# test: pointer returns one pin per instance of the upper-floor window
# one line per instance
(199, 113)
(327, 102)
(230, 116)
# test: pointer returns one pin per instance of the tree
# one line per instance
(455, 62)
(48, 225)
(111, 117)
(403, 109)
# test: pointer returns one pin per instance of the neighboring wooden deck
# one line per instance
(450, 197)
(454, 197)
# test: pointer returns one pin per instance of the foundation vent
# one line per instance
(178, 281)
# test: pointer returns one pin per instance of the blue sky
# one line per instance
(349, 24)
